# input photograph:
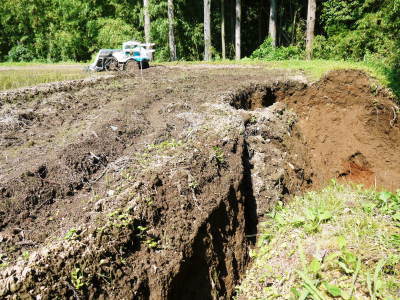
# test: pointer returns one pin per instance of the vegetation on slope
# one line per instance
(342, 242)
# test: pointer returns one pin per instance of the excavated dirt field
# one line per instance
(151, 187)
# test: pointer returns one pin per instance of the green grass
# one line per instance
(342, 242)
(17, 76)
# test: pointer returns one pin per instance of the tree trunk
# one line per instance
(232, 23)
(260, 21)
(207, 29)
(312, 7)
(171, 37)
(223, 29)
(146, 21)
(294, 27)
(237, 29)
(272, 22)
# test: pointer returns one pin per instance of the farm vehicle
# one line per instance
(134, 55)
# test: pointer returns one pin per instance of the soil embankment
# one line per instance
(151, 187)
(350, 130)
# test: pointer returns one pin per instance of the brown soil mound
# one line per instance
(350, 131)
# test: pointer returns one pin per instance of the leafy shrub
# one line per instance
(267, 52)
(360, 30)
(64, 46)
(113, 32)
(20, 53)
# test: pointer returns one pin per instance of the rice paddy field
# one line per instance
(14, 76)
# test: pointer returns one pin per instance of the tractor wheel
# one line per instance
(131, 66)
(112, 64)
(145, 65)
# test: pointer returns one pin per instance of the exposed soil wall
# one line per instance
(350, 130)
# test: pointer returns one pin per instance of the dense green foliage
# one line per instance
(268, 52)
(60, 30)
(360, 30)
(356, 30)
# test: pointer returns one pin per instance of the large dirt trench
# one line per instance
(178, 220)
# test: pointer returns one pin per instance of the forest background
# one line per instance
(73, 30)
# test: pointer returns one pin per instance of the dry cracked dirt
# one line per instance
(152, 186)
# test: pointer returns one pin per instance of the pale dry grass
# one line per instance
(23, 76)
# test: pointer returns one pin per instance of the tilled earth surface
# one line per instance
(150, 186)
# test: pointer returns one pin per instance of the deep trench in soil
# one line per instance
(196, 281)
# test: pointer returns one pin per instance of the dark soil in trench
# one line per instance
(115, 191)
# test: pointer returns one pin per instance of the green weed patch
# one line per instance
(341, 242)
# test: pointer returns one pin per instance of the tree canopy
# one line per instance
(58, 30)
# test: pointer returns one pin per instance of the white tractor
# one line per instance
(134, 55)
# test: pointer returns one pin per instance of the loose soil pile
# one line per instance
(151, 187)
(350, 130)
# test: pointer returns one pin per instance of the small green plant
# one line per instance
(72, 234)
(119, 218)
(77, 278)
(152, 243)
(389, 203)
(142, 231)
(375, 284)
(165, 145)
(25, 255)
(219, 154)
(253, 119)
(312, 219)
(128, 175)
(374, 89)
(149, 201)
(193, 185)
(3, 264)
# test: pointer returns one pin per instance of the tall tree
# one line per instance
(171, 37)
(272, 22)
(311, 11)
(146, 21)
(237, 29)
(207, 29)
(223, 29)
